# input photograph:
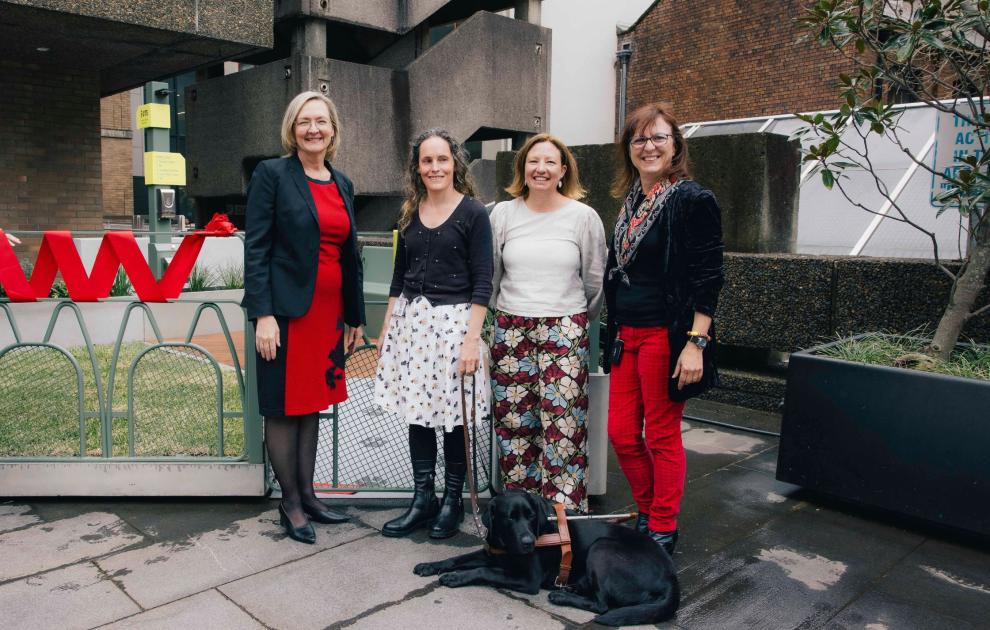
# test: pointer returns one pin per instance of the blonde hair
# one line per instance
(416, 190)
(289, 122)
(571, 181)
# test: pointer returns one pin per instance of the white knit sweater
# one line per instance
(548, 264)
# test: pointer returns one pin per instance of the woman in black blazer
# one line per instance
(302, 285)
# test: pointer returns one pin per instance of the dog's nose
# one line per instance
(526, 539)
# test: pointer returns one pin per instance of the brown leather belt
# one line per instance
(561, 538)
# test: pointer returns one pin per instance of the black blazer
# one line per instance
(282, 244)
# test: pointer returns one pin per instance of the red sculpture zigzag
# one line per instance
(118, 249)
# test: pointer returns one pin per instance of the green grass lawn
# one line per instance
(174, 411)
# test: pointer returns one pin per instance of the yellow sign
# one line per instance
(166, 169)
(154, 115)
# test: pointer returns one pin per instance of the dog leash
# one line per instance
(472, 486)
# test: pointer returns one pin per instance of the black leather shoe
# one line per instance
(641, 522)
(424, 506)
(305, 534)
(326, 515)
(667, 540)
(452, 507)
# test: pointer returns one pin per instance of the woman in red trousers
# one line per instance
(662, 282)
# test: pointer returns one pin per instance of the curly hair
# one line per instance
(415, 191)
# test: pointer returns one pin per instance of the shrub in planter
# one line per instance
(906, 440)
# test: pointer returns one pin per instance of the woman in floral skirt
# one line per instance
(431, 338)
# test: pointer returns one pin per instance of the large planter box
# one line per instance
(907, 441)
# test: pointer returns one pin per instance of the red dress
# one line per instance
(314, 371)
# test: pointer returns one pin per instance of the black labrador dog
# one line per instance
(617, 571)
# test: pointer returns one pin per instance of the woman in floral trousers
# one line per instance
(549, 267)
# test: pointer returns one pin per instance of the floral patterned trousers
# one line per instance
(540, 402)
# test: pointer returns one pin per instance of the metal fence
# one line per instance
(151, 397)
(130, 399)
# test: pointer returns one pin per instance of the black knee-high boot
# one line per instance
(424, 506)
(455, 468)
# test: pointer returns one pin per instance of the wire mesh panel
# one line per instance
(363, 447)
(41, 405)
(175, 402)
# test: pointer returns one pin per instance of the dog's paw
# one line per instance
(558, 598)
(453, 580)
(425, 569)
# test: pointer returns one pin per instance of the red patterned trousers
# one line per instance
(638, 403)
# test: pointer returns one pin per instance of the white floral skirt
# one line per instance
(417, 372)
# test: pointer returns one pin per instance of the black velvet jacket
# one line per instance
(282, 244)
(690, 273)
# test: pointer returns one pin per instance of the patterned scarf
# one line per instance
(634, 223)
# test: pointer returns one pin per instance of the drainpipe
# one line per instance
(623, 55)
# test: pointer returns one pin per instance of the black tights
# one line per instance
(291, 443)
(423, 444)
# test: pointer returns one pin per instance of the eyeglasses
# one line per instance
(658, 139)
(306, 124)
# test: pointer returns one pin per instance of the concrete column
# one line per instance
(309, 38)
(528, 10)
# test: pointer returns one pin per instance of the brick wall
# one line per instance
(724, 59)
(115, 123)
(115, 111)
(50, 174)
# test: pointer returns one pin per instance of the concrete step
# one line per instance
(752, 390)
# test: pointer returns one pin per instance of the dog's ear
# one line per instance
(486, 518)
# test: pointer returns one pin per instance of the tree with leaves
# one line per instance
(925, 51)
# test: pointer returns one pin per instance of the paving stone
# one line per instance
(879, 611)
(77, 596)
(16, 516)
(163, 519)
(459, 608)
(765, 462)
(377, 517)
(373, 517)
(205, 610)
(339, 584)
(49, 545)
(710, 448)
(542, 602)
(950, 579)
(725, 506)
(797, 571)
(164, 572)
(707, 440)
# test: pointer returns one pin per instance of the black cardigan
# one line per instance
(282, 244)
(452, 263)
(690, 273)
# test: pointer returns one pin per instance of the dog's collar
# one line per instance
(561, 538)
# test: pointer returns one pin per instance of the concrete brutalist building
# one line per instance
(58, 57)
(394, 69)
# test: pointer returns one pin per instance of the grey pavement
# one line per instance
(754, 553)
